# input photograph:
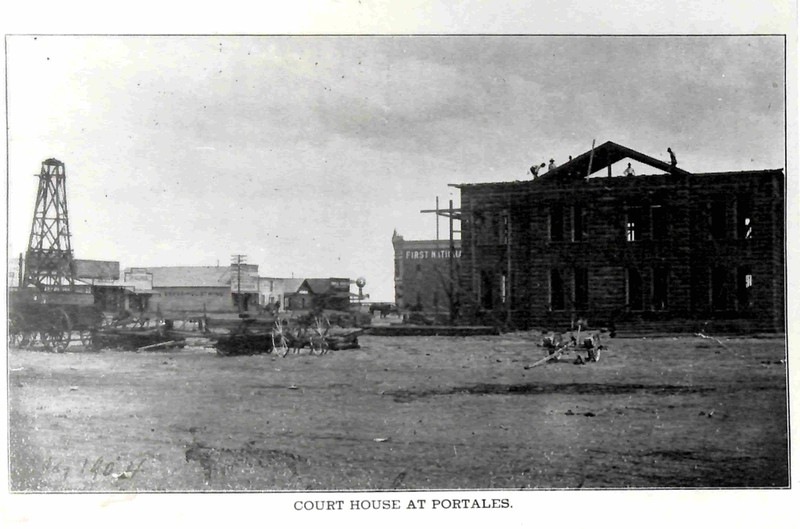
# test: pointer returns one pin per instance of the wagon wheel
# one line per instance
(279, 343)
(58, 336)
(85, 337)
(319, 340)
(16, 333)
(319, 345)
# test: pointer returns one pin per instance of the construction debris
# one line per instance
(558, 345)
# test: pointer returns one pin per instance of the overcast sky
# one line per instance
(304, 153)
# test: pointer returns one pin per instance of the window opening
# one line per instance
(634, 289)
(486, 290)
(744, 222)
(718, 220)
(556, 290)
(556, 223)
(719, 288)
(578, 224)
(660, 288)
(745, 288)
(658, 222)
(581, 288)
(633, 225)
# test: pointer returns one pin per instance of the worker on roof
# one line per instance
(672, 160)
(552, 165)
(535, 170)
(629, 171)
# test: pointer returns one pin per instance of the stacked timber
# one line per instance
(431, 330)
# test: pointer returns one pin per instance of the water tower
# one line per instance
(360, 282)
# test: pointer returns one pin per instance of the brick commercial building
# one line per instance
(673, 251)
(422, 273)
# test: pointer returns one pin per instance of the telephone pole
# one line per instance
(239, 259)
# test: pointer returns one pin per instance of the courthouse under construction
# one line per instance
(671, 250)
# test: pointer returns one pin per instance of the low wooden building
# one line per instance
(328, 293)
(198, 289)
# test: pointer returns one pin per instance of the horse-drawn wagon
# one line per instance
(51, 319)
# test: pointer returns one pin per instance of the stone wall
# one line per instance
(646, 250)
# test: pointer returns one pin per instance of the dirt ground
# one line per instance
(402, 413)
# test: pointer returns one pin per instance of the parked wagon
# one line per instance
(280, 336)
(55, 319)
(51, 319)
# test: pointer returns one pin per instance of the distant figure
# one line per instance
(672, 160)
(535, 170)
(552, 165)
(629, 171)
(570, 158)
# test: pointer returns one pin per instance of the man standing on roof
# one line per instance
(672, 160)
(629, 171)
(552, 165)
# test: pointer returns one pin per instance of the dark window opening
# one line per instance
(744, 220)
(504, 226)
(556, 223)
(699, 289)
(556, 290)
(578, 224)
(634, 289)
(718, 221)
(241, 301)
(745, 288)
(436, 299)
(581, 289)
(419, 305)
(633, 224)
(485, 228)
(396, 269)
(719, 289)
(487, 301)
(660, 288)
(658, 222)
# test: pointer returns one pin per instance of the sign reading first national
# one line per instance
(431, 254)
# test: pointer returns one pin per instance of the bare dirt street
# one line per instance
(402, 413)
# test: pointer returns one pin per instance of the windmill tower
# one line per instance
(48, 260)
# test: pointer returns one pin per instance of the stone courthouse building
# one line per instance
(671, 250)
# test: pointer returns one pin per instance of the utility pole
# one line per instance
(437, 218)
(452, 263)
(453, 214)
(238, 260)
(591, 158)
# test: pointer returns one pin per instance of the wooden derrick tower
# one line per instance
(49, 260)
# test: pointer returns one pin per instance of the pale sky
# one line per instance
(304, 153)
